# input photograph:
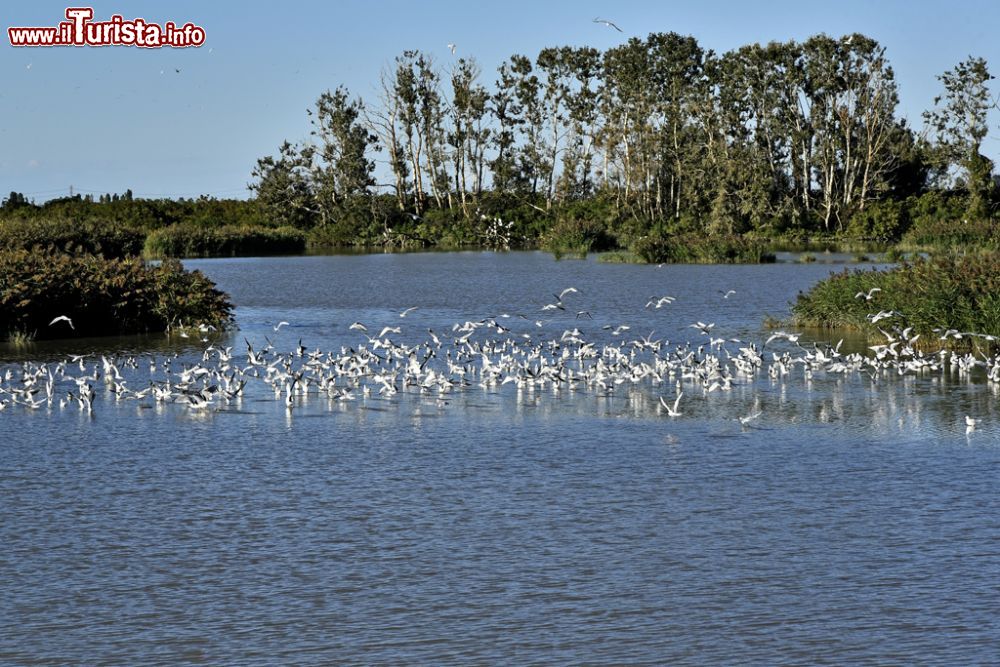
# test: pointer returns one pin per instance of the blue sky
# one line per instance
(107, 119)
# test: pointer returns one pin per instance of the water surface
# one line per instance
(855, 521)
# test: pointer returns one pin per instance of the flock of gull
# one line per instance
(491, 352)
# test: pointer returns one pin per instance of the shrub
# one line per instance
(64, 235)
(881, 221)
(102, 296)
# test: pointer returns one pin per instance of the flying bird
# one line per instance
(607, 23)
(63, 318)
(280, 324)
(672, 410)
(869, 296)
(451, 47)
(408, 311)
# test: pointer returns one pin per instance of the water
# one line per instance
(853, 522)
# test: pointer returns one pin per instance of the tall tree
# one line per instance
(960, 125)
(341, 167)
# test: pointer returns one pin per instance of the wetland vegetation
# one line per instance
(657, 150)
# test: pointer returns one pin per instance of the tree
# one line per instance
(341, 167)
(959, 123)
(283, 186)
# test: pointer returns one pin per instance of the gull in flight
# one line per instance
(408, 311)
(883, 315)
(280, 324)
(452, 48)
(791, 338)
(63, 318)
(701, 326)
(388, 330)
(672, 410)
(869, 296)
(607, 23)
(659, 302)
(728, 293)
(358, 326)
(568, 290)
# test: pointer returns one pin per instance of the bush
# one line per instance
(575, 236)
(882, 221)
(102, 296)
(64, 235)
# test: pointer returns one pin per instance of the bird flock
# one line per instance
(491, 352)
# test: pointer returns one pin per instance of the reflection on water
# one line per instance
(849, 518)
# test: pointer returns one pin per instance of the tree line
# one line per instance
(784, 136)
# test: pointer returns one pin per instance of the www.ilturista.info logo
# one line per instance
(80, 30)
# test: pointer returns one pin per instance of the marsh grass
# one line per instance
(189, 240)
(620, 257)
(933, 295)
(692, 248)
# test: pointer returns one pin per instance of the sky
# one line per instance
(107, 119)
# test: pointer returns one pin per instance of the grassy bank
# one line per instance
(189, 240)
(101, 296)
(957, 292)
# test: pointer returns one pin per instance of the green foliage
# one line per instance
(939, 222)
(659, 247)
(102, 296)
(190, 240)
(62, 235)
(881, 221)
(576, 237)
(945, 292)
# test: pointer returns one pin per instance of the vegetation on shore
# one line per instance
(190, 240)
(939, 297)
(657, 147)
(101, 296)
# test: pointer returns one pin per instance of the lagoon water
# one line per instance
(851, 523)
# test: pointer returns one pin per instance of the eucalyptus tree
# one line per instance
(854, 98)
(469, 134)
(678, 83)
(404, 95)
(506, 111)
(385, 121)
(532, 160)
(582, 105)
(959, 122)
(555, 65)
(627, 108)
(340, 166)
